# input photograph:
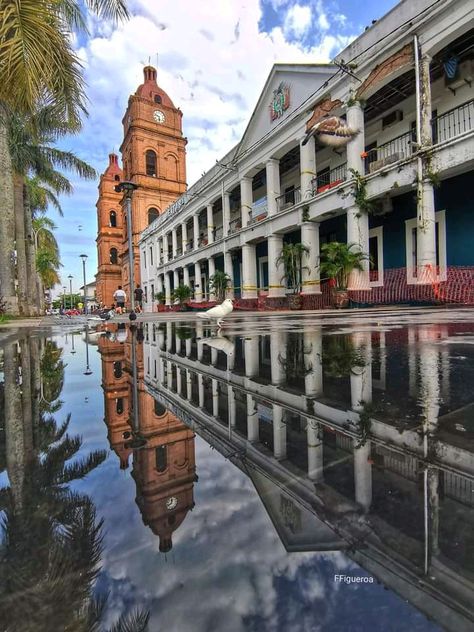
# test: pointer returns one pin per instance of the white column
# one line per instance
(159, 252)
(225, 213)
(165, 248)
(231, 406)
(430, 383)
(246, 199)
(252, 419)
(197, 282)
(249, 271)
(356, 146)
(167, 288)
(196, 231)
(159, 283)
(188, 347)
(313, 349)
(186, 275)
(307, 168)
(358, 234)
(169, 334)
(276, 270)
(214, 356)
(179, 382)
(315, 451)
(363, 475)
(310, 273)
(177, 344)
(184, 237)
(201, 390)
(279, 433)
(169, 374)
(162, 371)
(210, 224)
(251, 355)
(361, 377)
(212, 270)
(189, 384)
(215, 398)
(229, 269)
(175, 278)
(426, 233)
(277, 355)
(174, 242)
(272, 169)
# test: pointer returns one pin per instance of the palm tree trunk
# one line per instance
(32, 275)
(20, 240)
(7, 223)
(14, 435)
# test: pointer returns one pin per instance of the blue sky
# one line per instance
(213, 59)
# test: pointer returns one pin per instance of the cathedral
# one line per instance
(154, 158)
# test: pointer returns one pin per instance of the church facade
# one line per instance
(153, 157)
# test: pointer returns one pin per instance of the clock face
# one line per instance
(159, 116)
(171, 503)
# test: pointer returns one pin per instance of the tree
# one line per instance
(218, 284)
(291, 257)
(182, 293)
(338, 260)
(48, 261)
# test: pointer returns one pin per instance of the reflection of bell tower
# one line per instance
(164, 470)
(153, 154)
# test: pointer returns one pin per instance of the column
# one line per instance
(277, 355)
(175, 279)
(276, 270)
(214, 356)
(363, 475)
(356, 147)
(252, 419)
(159, 252)
(246, 199)
(313, 349)
(177, 344)
(186, 276)
(307, 168)
(430, 383)
(188, 345)
(197, 282)
(184, 237)
(215, 398)
(249, 271)
(210, 224)
(315, 451)
(279, 433)
(212, 270)
(361, 377)
(251, 356)
(196, 231)
(159, 283)
(201, 390)
(165, 248)
(231, 406)
(169, 374)
(229, 269)
(179, 381)
(189, 384)
(174, 242)
(272, 169)
(225, 213)
(167, 288)
(169, 334)
(310, 272)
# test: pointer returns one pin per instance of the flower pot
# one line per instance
(340, 298)
(295, 301)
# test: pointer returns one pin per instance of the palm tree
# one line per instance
(291, 257)
(218, 284)
(38, 66)
(182, 293)
(48, 261)
(338, 260)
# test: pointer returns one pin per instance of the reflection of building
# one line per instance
(153, 156)
(340, 460)
(164, 468)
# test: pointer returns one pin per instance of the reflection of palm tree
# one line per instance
(52, 376)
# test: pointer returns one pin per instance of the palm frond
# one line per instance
(80, 469)
(135, 622)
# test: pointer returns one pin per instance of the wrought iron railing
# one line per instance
(288, 199)
(453, 122)
(392, 151)
(329, 179)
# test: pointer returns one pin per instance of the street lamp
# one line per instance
(64, 297)
(70, 277)
(88, 370)
(84, 259)
(128, 188)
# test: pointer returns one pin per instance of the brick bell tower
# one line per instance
(110, 233)
(153, 157)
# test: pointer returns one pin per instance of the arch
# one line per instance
(171, 166)
(113, 256)
(161, 458)
(158, 408)
(153, 213)
(118, 369)
(113, 219)
(150, 163)
(119, 405)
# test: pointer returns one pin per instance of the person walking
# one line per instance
(120, 297)
(138, 298)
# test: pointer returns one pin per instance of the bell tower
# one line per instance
(153, 157)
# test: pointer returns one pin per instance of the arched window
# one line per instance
(117, 178)
(157, 98)
(114, 256)
(158, 409)
(161, 458)
(150, 162)
(113, 219)
(153, 213)
(119, 405)
(118, 369)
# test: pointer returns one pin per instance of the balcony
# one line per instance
(259, 211)
(235, 225)
(203, 241)
(329, 179)
(179, 251)
(398, 148)
(190, 245)
(218, 232)
(453, 123)
(288, 199)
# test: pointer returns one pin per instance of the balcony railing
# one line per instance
(394, 150)
(235, 225)
(454, 122)
(329, 179)
(288, 199)
(179, 251)
(203, 240)
(218, 232)
(190, 245)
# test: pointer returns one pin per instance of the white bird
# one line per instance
(221, 343)
(332, 131)
(218, 312)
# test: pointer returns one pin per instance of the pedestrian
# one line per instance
(120, 298)
(138, 298)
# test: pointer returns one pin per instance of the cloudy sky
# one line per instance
(213, 59)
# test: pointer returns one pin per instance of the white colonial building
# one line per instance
(406, 84)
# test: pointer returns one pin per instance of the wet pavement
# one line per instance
(286, 472)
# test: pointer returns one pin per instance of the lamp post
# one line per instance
(88, 369)
(64, 297)
(70, 277)
(128, 188)
(84, 259)
(73, 350)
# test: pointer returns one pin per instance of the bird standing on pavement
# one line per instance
(218, 312)
(332, 131)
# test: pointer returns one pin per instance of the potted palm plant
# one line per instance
(160, 297)
(181, 294)
(292, 258)
(218, 284)
(338, 260)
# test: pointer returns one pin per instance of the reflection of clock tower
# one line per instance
(153, 156)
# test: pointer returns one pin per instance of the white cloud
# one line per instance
(298, 20)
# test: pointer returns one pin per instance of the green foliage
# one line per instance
(340, 356)
(360, 193)
(218, 284)
(291, 257)
(364, 425)
(293, 361)
(338, 260)
(182, 293)
(160, 297)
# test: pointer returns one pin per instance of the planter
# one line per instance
(295, 301)
(340, 298)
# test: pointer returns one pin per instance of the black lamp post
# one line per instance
(84, 259)
(88, 370)
(70, 277)
(128, 188)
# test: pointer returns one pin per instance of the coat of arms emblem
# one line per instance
(281, 101)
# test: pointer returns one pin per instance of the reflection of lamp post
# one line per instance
(88, 369)
(72, 338)
(84, 259)
(128, 188)
(70, 277)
